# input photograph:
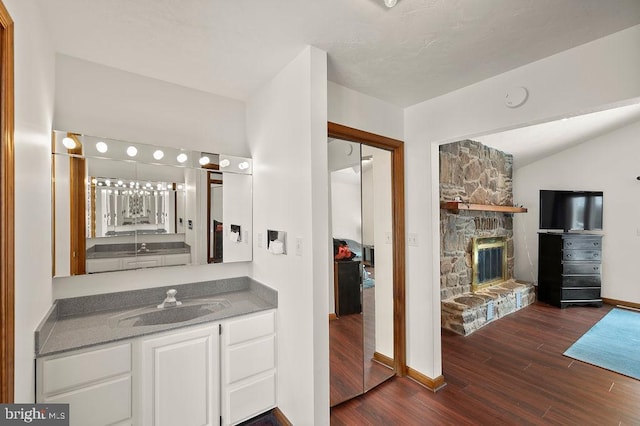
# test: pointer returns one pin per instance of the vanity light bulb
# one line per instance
(180, 186)
(204, 160)
(107, 182)
(119, 183)
(101, 147)
(132, 151)
(225, 163)
(94, 181)
(69, 143)
(148, 185)
(243, 166)
(181, 158)
(158, 154)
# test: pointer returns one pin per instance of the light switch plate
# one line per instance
(260, 237)
(298, 246)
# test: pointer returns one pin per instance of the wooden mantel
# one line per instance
(456, 206)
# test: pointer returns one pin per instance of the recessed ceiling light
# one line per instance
(132, 151)
(69, 143)
(102, 147)
(181, 158)
(158, 154)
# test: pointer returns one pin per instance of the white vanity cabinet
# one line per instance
(179, 377)
(136, 262)
(209, 374)
(248, 366)
(96, 382)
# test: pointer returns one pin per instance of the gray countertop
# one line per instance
(86, 321)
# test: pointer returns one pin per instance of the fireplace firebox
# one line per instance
(489, 261)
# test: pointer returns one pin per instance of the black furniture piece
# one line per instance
(347, 281)
(368, 253)
(569, 267)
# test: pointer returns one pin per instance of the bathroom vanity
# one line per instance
(209, 361)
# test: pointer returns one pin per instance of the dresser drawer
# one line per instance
(581, 268)
(581, 281)
(582, 243)
(581, 255)
(587, 293)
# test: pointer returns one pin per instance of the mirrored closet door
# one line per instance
(361, 326)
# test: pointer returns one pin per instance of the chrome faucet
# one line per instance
(143, 248)
(170, 300)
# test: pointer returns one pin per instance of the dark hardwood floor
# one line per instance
(509, 372)
(351, 348)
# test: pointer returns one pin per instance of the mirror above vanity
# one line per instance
(120, 205)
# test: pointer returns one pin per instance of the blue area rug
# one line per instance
(613, 343)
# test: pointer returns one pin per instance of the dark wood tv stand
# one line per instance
(569, 268)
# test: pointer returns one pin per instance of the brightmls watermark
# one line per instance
(34, 414)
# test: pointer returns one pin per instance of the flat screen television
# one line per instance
(571, 210)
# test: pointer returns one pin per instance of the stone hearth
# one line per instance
(466, 313)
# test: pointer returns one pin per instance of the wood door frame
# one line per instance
(396, 147)
(7, 209)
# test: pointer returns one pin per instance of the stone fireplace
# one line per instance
(476, 247)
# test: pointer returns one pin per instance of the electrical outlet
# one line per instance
(412, 240)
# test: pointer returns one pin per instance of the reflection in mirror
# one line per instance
(214, 214)
(361, 336)
(119, 205)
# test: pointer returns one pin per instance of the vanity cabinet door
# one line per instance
(179, 377)
(248, 367)
(95, 382)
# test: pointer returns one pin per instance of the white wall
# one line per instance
(287, 133)
(107, 102)
(608, 163)
(368, 209)
(34, 91)
(603, 72)
(345, 208)
(363, 112)
(102, 101)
